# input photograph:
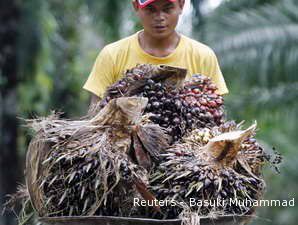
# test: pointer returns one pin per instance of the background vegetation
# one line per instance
(47, 49)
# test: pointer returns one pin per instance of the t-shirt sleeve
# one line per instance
(212, 69)
(102, 74)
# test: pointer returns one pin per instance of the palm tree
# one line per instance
(197, 5)
(42, 68)
(10, 171)
(108, 16)
(257, 46)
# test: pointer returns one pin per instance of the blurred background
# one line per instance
(47, 49)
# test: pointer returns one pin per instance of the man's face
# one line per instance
(160, 18)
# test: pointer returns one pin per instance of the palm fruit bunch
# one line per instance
(175, 104)
(95, 166)
(135, 79)
(199, 95)
(81, 182)
(214, 164)
(181, 110)
(154, 136)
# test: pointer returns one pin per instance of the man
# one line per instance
(157, 43)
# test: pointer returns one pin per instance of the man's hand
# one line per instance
(93, 100)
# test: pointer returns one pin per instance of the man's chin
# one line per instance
(161, 35)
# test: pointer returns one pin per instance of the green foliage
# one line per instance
(238, 5)
(54, 80)
(261, 41)
(108, 17)
(256, 43)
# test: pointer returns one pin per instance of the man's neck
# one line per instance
(159, 47)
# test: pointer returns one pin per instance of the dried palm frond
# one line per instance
(83, 167)
(211, 164)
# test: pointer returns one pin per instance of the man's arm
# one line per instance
(102, 76)
(212, 69)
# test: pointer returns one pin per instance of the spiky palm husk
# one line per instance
(95, 181)
(85, 167)
(97, 165)
(188, 170)
(174, 103)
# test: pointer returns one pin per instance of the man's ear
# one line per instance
(135, 5)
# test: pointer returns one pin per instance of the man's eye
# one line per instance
(168, 9)
(150, 9)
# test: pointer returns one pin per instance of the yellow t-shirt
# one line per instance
(114, 59)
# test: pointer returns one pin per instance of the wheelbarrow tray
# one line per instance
(110, 220)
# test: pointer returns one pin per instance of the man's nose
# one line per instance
(159, 15)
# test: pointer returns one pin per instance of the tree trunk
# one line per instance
(10, 172)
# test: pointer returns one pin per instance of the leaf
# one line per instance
(153, 138)
(88, 167)
(169, 177)
(63, 197)
(97, 183)
(42, 183)
(156, 177)
(71, 211)
(82, 192)
(85, 204)
(196, 186)
(47, 160)
(264, 38)
(72, 176)
(49, 200)
(199, 186)
(53, 180)
(183, 175)
(219, 184)
(61, 157)
(246, 167)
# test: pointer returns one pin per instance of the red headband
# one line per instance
(144, 3)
